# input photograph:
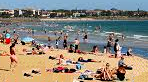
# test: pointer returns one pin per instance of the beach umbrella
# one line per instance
(27, 39)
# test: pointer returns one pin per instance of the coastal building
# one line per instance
(44, 13)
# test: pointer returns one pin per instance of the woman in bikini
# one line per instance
(13, 57)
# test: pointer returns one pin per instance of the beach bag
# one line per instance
(78, 66)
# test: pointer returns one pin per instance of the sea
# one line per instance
(135, 33)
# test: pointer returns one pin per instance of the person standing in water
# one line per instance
(14, 31)
(76, 44)
(45, 31)
(85, 38)
(65, 42)
(7, 37)
(57, 43)
(13, 57)
(109, 43)
(33, 32)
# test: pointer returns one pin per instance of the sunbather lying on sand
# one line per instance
(65, 61)
(4, 53)
(33, 51)
(80, 59)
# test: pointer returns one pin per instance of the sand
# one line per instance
(26, 63)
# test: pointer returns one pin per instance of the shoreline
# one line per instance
(88, 19)
(17, 20)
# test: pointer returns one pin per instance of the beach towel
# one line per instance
(84, 77)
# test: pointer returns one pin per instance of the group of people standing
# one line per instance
(111, 43)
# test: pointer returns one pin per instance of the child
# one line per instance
(104, 51)
(129, 52)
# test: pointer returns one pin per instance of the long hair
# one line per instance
(13, 45)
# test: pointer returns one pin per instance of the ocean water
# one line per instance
(135, 32)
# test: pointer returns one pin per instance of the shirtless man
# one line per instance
(76, 44)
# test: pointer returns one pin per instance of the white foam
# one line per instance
(140, 36)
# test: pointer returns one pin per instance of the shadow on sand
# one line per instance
(4, 69)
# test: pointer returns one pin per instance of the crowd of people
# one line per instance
(104, 74)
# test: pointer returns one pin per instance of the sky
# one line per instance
(73, 4)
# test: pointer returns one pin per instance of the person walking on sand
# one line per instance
(13, 57)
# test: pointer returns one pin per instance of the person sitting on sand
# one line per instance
(121, 73)
(105, 51)
(121, 62)
(45, 48)
(33, 43)
(34, 52)
(106, 74)
(70, 50)
(129, 52)
(95, 50)
(62, 60)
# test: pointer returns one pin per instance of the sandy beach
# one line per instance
(26, 63)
